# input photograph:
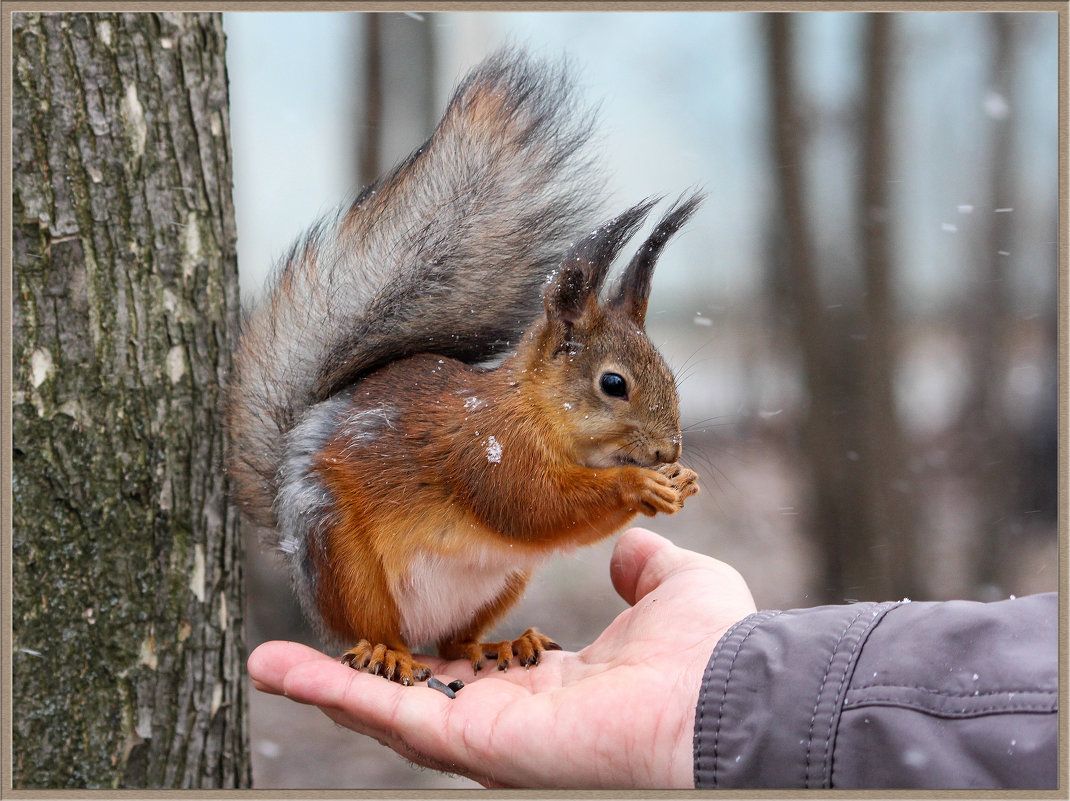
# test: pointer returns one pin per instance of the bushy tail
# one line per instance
(446, 254)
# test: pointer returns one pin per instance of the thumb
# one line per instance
(641, 561)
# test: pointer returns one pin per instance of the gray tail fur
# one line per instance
(445, 254)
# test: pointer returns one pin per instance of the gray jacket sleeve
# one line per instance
(892, 695)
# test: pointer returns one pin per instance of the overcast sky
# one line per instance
(683, 104)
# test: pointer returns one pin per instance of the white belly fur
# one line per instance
(441, 594)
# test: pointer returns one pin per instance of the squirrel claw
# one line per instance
(664, 489)
(358, 656)
(503, 652)
(390, 663)
(527, 648)
(530, 645)
(684, 480)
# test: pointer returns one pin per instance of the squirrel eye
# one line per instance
(614, 385)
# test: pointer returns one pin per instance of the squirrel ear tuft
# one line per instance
(634, 290)
(583, 270)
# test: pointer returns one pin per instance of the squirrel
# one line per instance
(411, 487)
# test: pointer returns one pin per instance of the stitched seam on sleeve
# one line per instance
(707, 677)
(877, 613)
(724, 691)
(817, 700)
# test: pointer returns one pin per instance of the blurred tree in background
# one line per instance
(1004, 464)
(398, 91)
(850, 437)
(870, 500)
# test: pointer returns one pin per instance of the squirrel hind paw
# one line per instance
(391, 663)
(527, 648)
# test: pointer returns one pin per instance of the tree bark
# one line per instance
(128, 641)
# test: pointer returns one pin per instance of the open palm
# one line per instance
(619, 713)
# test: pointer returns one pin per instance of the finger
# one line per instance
(396, 741)
(643, 560)
(393, 741)
(374, 702)
(420, 723)
(271, 661)
(638, 550)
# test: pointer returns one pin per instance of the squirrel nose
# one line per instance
(667, 454)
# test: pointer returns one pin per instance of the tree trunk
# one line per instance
(127, 585)
(399, 108)
(370, 161)
(884, 481)
(993, 454)
(823, 453)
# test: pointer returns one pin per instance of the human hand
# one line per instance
(619, 713)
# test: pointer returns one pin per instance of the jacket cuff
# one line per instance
(754, 731)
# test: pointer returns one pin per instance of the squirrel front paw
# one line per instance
(391, 664)
(684, 480)
(662, 490)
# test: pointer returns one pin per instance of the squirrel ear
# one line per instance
(578, 280)
(634, 289)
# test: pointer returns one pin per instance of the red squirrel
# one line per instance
(412, 488)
